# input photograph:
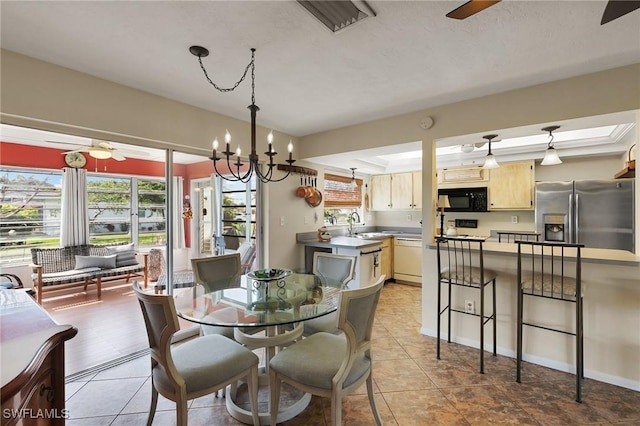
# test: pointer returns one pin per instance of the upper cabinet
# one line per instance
(463, 176)
(512, 186)
(380, 192)
(399, 191)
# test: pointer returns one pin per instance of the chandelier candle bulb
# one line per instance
(290, 148)
(215, 147)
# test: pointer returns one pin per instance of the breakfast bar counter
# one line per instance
(611, 290)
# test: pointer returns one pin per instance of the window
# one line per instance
(341, 198)
(111, 207)
(30, 207)
(29, 212)
(238, 211)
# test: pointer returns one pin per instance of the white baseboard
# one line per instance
(545, 362)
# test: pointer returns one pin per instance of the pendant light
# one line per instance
(490, 161)
(354, 184)
(551, 155)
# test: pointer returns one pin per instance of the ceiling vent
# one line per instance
(337, 15)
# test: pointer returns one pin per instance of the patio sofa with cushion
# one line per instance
(64, 267)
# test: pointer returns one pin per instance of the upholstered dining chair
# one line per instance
(341, 268)
(217, 273)
(331, 365)
(195, 368)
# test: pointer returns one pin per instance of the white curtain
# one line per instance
(177, 205)
(74, 218)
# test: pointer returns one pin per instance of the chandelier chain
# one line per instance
(244, 75)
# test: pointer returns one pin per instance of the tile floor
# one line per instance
(412, 387)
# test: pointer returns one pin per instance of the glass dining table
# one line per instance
(267, 309)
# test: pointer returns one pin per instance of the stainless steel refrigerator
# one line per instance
(596, 213)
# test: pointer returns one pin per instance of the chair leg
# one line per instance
(482, 287)
(495, 321)
(439, 320)
(372, 400)
(579, 350)
(449, 315)
(154, 403)
(336, 407)
(181, 410)
(252, 383)
(274, 399)
(519, 333)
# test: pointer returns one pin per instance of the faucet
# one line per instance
(353, 219)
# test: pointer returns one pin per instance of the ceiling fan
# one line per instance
(470, 147)
(613, 10)
(100, 150)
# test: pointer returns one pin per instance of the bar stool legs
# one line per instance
(483, 319)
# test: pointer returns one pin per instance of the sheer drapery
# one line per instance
(74, 217)
(177, 206)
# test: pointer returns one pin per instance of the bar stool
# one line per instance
(545, 270)
(461, 263)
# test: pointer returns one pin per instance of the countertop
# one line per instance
(345, 242)
(589, 255)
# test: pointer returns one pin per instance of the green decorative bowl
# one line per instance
(268, 274)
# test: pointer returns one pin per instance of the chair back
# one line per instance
(461, 261)
(338, 267)
(247, 251)
(550, 269)
(217, 272)
(357, 311)
(161, 320)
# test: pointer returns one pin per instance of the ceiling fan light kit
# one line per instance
(99, 153)
(551, 157)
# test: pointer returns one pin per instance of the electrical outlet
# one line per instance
(469, 306)
(409, 217)
(281, 220)
(514, 219)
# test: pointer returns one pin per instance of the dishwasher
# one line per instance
(407, 265)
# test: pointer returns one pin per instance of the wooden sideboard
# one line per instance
(32, 362)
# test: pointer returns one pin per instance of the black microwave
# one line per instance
(465, 199)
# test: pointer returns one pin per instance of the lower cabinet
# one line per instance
(386, 258)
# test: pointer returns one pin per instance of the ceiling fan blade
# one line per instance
(617, 8)
(83, 149)
(471, 8)
(117, 156)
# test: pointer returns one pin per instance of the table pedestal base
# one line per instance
(269, 342)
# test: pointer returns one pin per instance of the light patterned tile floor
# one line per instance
(412, 387)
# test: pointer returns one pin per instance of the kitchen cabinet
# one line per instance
(398, 191)
(380, 192)
(462, 177)
(386, 257)
(512, 186)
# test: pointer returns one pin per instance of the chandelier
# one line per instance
(237, 169)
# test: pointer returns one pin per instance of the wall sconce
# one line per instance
(550, 155)
(443, 202)
(490, 161)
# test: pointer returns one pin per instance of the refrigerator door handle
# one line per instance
(570, 238)
(577, 219)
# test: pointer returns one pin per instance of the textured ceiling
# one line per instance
(308, 79)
